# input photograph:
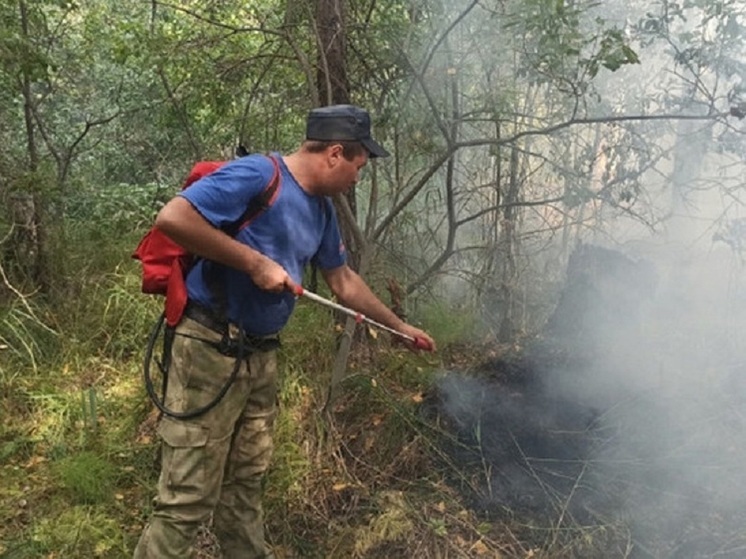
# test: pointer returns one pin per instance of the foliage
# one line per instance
(121, 207)
(711, 65)
(88, 477)
(561, 44)
(448, 325)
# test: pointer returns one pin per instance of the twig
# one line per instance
(24, 301)
(531, 469)
(566, 504)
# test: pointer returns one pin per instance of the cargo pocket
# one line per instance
(184, 455)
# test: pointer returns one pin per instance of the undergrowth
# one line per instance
(362, 476)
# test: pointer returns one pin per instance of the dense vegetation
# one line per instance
(518, 128)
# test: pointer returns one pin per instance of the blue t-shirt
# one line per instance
(296, 229)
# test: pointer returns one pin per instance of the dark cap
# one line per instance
(343, 123)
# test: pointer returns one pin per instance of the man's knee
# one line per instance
(252, 448)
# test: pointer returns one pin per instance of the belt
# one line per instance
(230, 342)
(206, 317)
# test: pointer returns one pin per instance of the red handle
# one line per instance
(422, 343)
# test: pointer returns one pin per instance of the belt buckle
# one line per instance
(234, 332)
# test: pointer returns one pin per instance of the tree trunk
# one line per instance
(334, 89)
(27, 240)
(506, 251)
(689, 154)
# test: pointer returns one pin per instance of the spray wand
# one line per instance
(419, 343)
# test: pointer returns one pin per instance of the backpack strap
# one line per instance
(213, 273)
(259, 203)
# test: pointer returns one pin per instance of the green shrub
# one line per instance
(87, 477)
(448, 325)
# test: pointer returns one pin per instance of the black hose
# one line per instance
(160, 404)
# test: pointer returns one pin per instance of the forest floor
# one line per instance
(467, 453)
(375, 475)
(387, 471)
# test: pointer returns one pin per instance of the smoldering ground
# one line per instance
(627, 413)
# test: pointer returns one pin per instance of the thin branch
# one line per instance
(434, 111)
(446, 154)
(220, 24)
(497, 207)
(24, 300)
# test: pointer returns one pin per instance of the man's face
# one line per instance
(343, 174)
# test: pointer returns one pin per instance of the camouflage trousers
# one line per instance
(214, 463)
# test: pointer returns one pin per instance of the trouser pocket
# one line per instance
(184, 455)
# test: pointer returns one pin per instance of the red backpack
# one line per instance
(165, 264)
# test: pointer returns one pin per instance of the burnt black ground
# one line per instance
(538, 447)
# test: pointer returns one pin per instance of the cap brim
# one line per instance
(374, 148)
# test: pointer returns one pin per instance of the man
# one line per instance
(214, 463)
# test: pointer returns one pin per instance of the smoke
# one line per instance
(630, 405)
(676, 408)
(630, 408)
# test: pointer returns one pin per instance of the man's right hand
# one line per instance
(268, 275)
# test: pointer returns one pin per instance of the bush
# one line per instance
(87, 477)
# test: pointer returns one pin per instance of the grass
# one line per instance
(79, 460)
(87, 477)
(371, 477)
(448, 325)
(79, 531)
(347, 485)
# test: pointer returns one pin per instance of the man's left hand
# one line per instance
(421, 336)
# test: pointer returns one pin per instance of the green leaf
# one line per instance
(631, 55)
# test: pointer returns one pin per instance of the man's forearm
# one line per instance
(185, 226)
(371, 306)
(353, 292)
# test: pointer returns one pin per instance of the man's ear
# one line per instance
(335, 153)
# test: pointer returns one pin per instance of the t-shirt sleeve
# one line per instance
(331, 253)
(223, 196)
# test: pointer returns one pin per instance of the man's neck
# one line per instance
(303, 166)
